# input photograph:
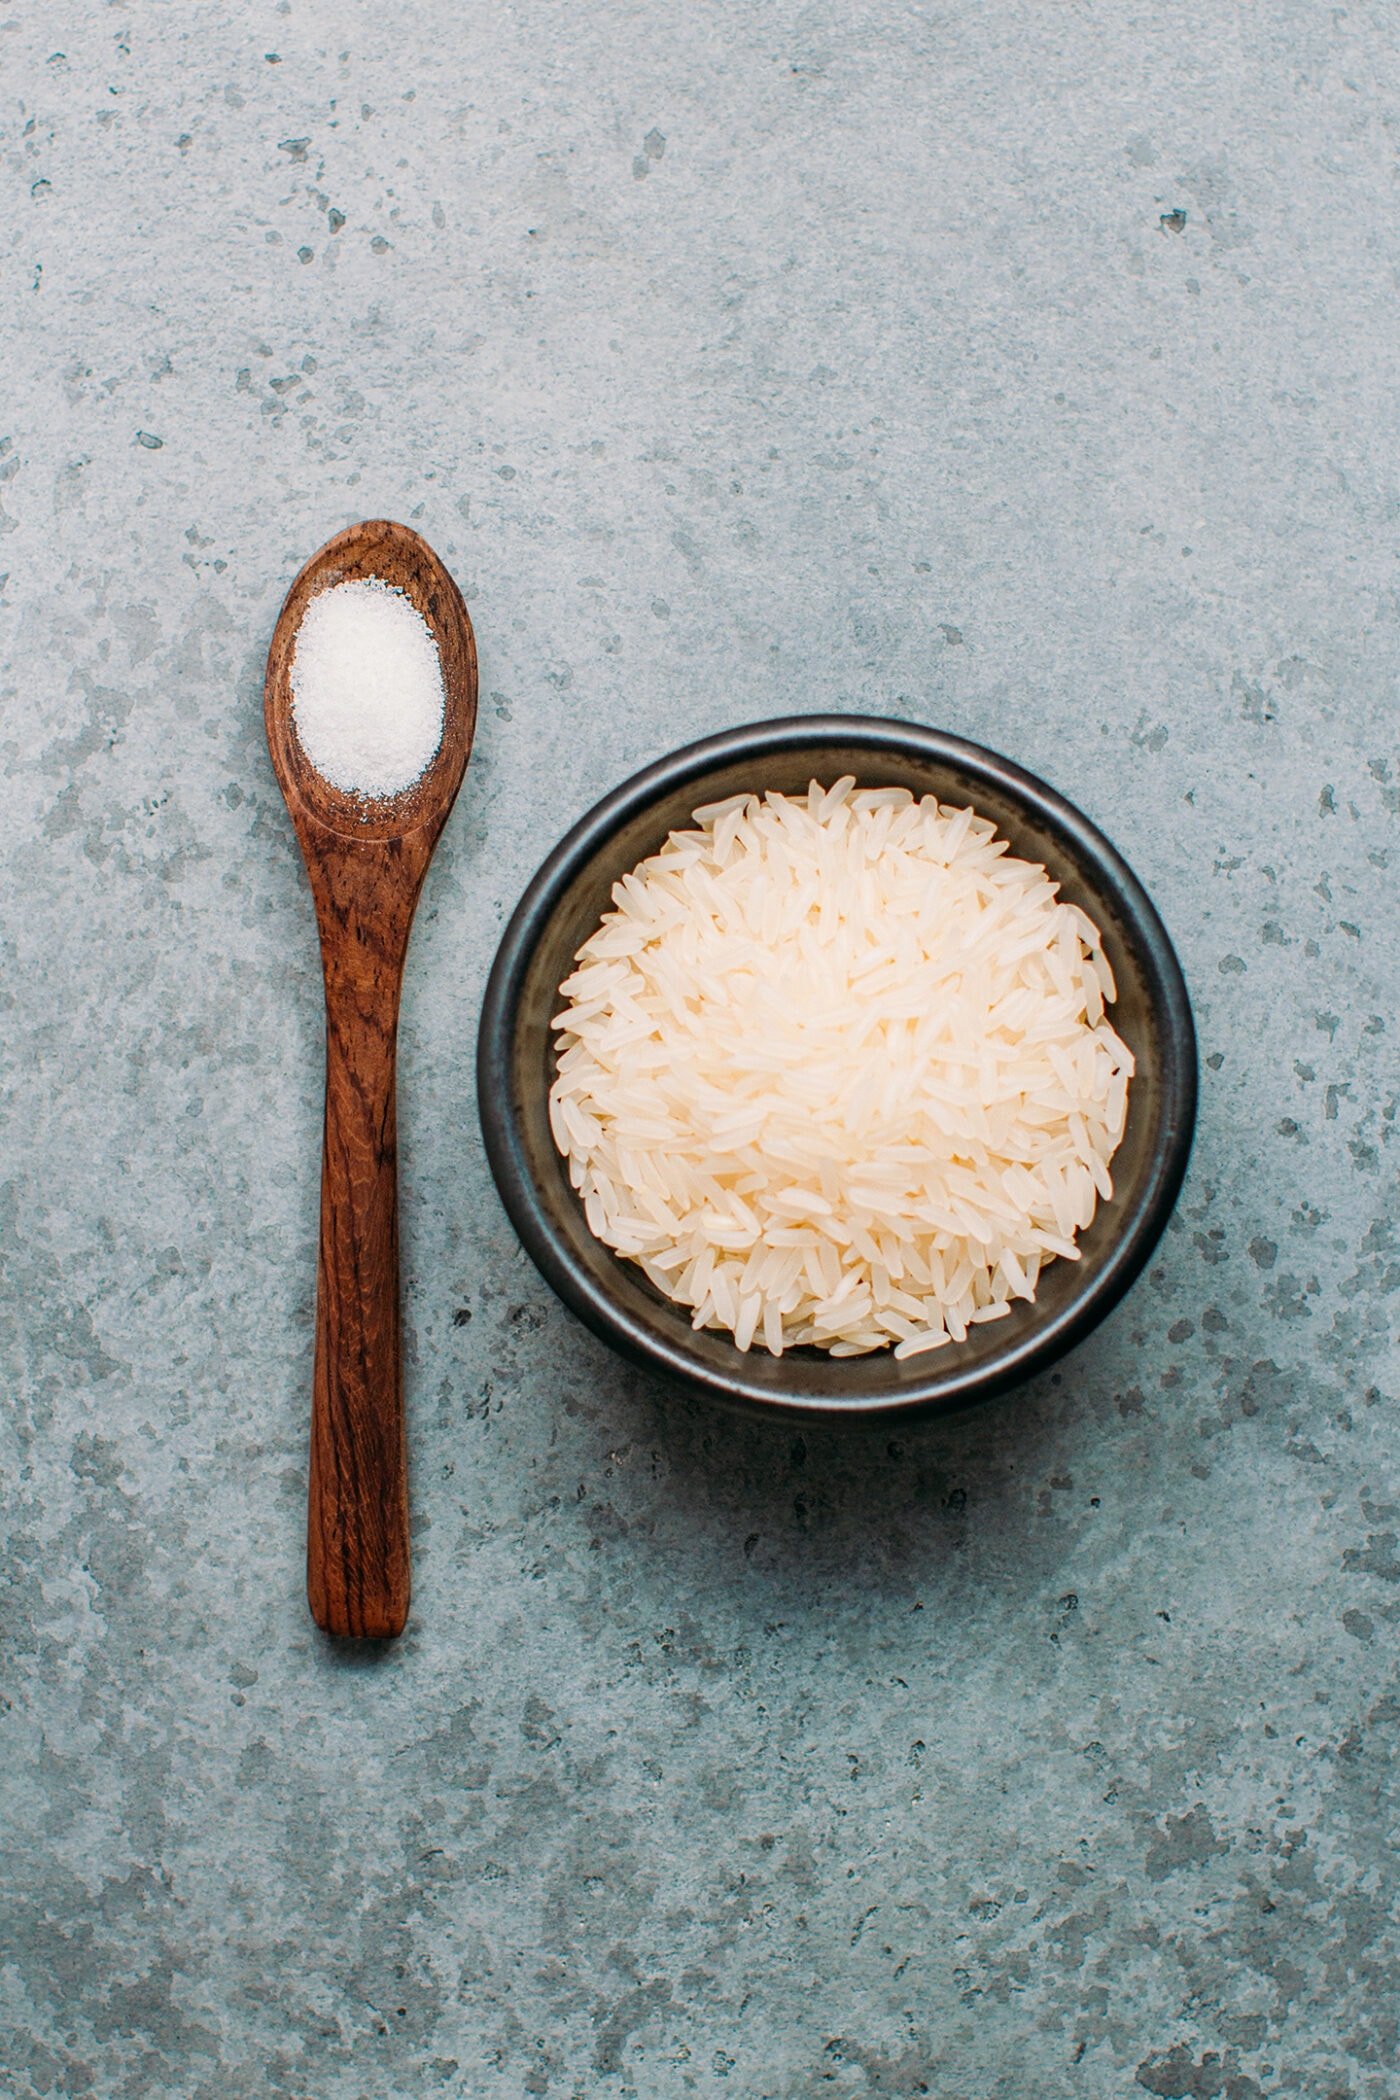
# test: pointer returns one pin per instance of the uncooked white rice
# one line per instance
(836, 1071)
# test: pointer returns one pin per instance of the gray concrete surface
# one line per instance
(1025, 369)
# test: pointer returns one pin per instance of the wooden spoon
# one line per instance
(366, 861)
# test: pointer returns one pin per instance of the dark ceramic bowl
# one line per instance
(569, 895)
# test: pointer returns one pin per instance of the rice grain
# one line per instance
(835, 1070)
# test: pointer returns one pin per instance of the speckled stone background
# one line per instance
(1029, 370)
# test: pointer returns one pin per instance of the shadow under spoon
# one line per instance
(366, 861)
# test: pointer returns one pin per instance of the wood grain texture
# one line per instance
(366, 863)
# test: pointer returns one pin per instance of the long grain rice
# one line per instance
(835, 1071)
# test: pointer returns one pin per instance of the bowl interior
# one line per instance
(617, 1299)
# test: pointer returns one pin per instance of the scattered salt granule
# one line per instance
(367, 698)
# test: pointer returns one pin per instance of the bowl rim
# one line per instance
(946, 1389)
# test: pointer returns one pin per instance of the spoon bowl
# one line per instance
(366, 861)
(383, 552)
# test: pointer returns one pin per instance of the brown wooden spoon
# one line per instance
(366, 861)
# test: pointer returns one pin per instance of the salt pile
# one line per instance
(367, 694)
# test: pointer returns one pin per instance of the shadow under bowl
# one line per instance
(570, 893)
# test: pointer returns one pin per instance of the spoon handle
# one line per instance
(357, 1541)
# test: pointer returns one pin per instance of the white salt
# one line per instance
(367, 698)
